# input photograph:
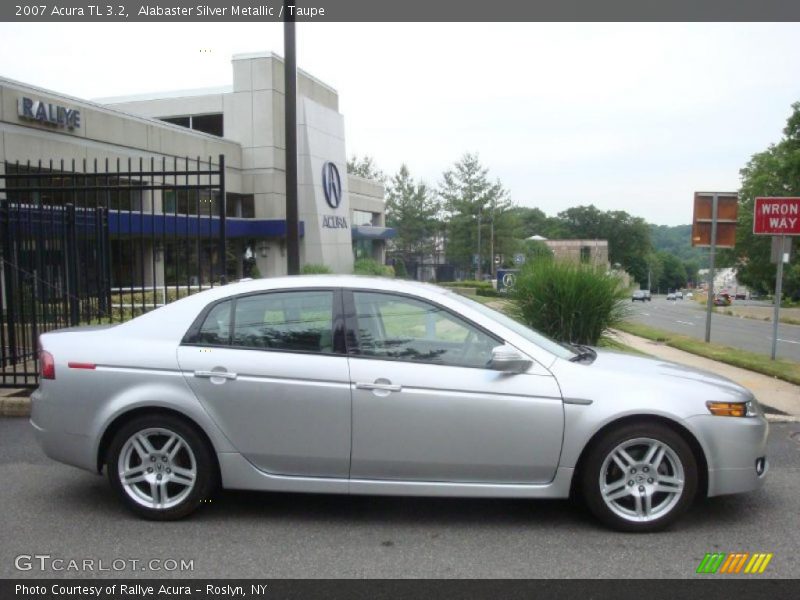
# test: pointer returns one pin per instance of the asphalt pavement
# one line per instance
(56, 510)
(688, 317)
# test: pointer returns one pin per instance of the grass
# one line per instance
(781, 369)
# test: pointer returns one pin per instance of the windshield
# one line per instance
(553, 347)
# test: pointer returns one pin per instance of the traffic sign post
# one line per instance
(714, 226)
(778, 217)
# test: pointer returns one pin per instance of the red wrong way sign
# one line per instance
(777, 216)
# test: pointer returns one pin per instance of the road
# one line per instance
(54, 509)
(688, 317)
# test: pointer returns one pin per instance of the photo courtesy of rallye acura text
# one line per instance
(345, 384)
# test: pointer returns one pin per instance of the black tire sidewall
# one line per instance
(590, 475)
(206, 479)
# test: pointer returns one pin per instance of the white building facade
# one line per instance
(339, 214)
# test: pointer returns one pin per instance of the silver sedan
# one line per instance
(355, 385)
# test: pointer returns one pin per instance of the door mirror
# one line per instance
(509, 360)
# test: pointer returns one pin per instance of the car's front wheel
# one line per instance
(160, 467)
(640, 477)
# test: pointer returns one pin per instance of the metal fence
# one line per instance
(101, 243)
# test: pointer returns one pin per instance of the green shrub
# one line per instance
(400, 269)
(367, 266)
(490, 291)
(569, 302)
(314, 269)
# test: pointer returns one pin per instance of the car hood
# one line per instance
(656, 372)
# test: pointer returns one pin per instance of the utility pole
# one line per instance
(478, 271)
(290, 121)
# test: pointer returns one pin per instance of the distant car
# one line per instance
(670, 296)
(741, 295)
(647, 295)
(679, 295)
(639, 295)
(689, 295)
(723, 299)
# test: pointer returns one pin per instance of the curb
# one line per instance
(15, 407)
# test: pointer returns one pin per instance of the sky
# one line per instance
(632, 117)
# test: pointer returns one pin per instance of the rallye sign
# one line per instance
(48, 113)
(777, 216)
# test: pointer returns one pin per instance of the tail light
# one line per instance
(47, 365)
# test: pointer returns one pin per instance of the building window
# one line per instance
(586, 254)
(361, 217)
(211, 124)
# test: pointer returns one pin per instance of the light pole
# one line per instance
(290, 122)
(478, 271)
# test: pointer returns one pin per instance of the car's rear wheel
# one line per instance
(160, 467)
(640, 477)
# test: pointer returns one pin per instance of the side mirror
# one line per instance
(509, 360)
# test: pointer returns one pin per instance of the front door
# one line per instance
(270, 369)
(426, 407)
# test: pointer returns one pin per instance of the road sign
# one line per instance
(727, 213)
(777, 216)
(781, 249)
(506, 278)
(714, 226)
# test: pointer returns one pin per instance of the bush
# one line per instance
(490, 291)
(314, 269)
(367, 266)
(400, 269)
(568, 301)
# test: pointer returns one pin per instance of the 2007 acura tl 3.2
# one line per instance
(371, 386)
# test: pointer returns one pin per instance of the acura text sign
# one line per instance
(777, 216)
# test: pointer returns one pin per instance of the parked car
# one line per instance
(689, 295)
(679, 295)
(648, 296)
(741, 295)
(639, 295)
(671, 296)
(375, 386)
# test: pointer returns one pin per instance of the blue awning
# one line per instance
(124, 223)
(371, 232)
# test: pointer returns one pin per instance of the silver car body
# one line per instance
(349, 424)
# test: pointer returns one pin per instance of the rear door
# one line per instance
(271, 370)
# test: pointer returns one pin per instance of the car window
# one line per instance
(216, 329)
(299, 321)
(402, 328)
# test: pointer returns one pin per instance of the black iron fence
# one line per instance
(100, 243)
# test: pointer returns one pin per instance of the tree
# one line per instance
(773, 172)
(365, 167)
(471, 200)
(411, 208)
(673, 275)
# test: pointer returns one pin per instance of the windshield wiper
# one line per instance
(584, 353)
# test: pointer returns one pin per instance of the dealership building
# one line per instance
(341, 216)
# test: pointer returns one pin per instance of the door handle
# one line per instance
(220, 374)
(388, 387)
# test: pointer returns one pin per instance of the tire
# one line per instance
(660, 475)
(165, 456)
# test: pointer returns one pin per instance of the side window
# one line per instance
(301, 321)
(401, 328)
(216, 329)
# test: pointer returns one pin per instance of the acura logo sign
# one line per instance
(331, 184)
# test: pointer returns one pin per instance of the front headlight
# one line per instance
(732, 409)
